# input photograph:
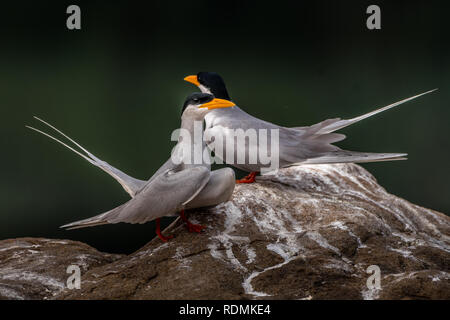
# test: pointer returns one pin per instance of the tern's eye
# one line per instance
(196, 100)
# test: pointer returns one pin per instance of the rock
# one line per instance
(35, 268)
(309, 232)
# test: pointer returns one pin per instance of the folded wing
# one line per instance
(164, 195)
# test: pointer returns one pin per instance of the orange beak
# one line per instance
(217, 103)
(193, 80)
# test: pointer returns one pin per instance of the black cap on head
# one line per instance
(214, 82)
(196, 98)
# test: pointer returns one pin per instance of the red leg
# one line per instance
(191, 227)
(248, 179)
(158, 231)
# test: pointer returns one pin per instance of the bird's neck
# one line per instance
(191, 124)
(193, 129)
(190, 141)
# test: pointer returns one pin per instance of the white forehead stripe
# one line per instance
(204, 89)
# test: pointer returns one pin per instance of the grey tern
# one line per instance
(298, 145)
(176, 185)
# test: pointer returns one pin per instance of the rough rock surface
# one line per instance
(35, 268)
(308, 232)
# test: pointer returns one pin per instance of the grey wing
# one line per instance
(222, 130)
(166, 194)
(130, 184)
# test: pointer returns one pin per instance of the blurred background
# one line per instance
(116, 86)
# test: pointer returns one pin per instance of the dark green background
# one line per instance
(116, 87)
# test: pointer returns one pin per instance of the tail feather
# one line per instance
(331, 125)
(316, 141)
(344, 156)
(340, 124)
(64, 144)
(130, 184)
(68, 138)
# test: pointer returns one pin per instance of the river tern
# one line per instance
(299, 145)
(178, 184)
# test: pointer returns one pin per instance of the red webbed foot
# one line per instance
(248, 179)
(191, 226)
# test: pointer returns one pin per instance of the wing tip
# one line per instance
(66, 227)
(82, 224)
(69, 226)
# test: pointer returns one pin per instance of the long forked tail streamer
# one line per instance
(64, 144)
(344, 123)
(130, 184)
